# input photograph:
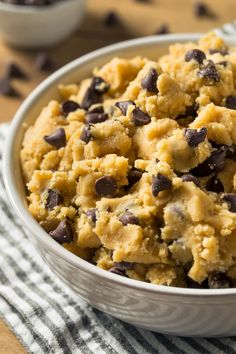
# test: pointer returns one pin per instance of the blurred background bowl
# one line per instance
(40, 26)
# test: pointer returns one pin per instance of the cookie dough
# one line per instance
(134, 169)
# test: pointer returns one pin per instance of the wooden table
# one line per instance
(138, 18)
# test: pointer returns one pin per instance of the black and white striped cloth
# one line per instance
(49, 319)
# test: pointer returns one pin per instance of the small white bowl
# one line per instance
(39, 26)
(179, 311)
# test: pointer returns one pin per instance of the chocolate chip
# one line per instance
(209, 72)
(230, 151)
(90, 98)
(6, 89)
(97, 109)
(124, 265)
(94, 92)
(14, 71)
(56, 139)
(196, 55)
(63, 233)
(214, 185)
(191, 111)
(219, 281)
(195, 137)
(118, 271)
(139, 117)
(123, 106)
(69, 106)
(44, 62)
(54, 198)
(160, 183)
(230, 102)
(91, 213)
(149, 82)
(86, 135)
(163, 29)
(100, 85)
(93, 118)
(194, 285)
(106, 186)
(220, 51)
(111, 19)
(129, 218)
(213, 163)
(202, 10)
(230, 198)
(134, 176)
(223, 63)
(191, 178)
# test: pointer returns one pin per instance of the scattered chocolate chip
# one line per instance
(220, 51)
(129, 218)
(139, 117)
(118, 271)
(214, 185)
(213, 163)
(203, 10)
(63, 233)
(191, 111)
(94, 92)
(106, 186)
(149, 82)
(194, 285)
(54, 198)
(90, 98)
(195, 137)
(160, 183)
(100, 85)
(56, 139)
(223, 63)
(6, 89)
(111, 19)
(91, 213)
(196, 55)
(97, 109)
(69, 106)
(163, 29)
(191, 178)
(209, 72)
(230, 102)
(124, 265)
(219, 281)
(86, 135)
(14, 71)
(230, 198)
(123, 106)
(134, 176)
(230, 151)
(93, 118)
(44, 62)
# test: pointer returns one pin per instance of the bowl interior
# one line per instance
(151, 47)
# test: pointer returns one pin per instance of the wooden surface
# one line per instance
(138, 18)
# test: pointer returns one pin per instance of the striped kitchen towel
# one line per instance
(48, 318)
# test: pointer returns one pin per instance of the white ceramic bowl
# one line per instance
(39, 26)
(188, 312)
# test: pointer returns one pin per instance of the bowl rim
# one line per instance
(29, 9)
(32, 225)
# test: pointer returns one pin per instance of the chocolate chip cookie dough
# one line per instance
(134, 169)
